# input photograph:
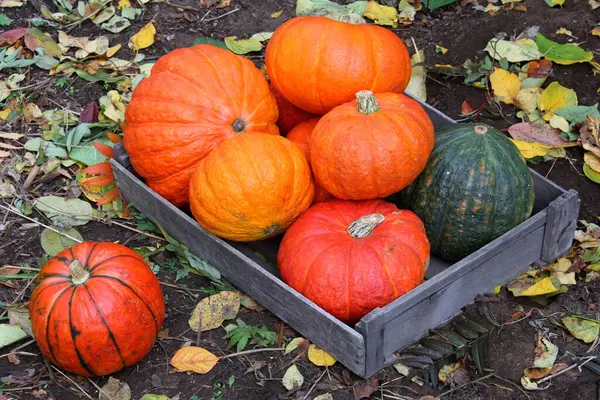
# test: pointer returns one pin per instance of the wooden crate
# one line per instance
(370, 345)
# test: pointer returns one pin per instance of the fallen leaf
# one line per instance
(144, 38)
(440, 49)
(533, 287)
(560, 123)
(5, 113)
(564, 54)
(292, 379)
(10, 334)
(11, 36)
(5, 20)
(124, 4)
(407, 12)
(89, 113)
(86, 46)
(555, 97)
(31, 112)
(19, 316)
(293, 344)
(554, 3)
(9, 270)
(194, 359)
(244, 46)
(545, 353)
(591, 174)
(596, 31)
(224, 3)
(319, 357)
(366, 389)
(14, 360)
(326, 396)
(116, 24)
(583, 329)
(7, 189)
(466, 108)
(539, 69)
(53, 243)
(529, 385)
(537, 373)
(592, 160)
(381, 15)
(277, 14)
(517, 51)
(11, 3)
(34, 38)
(213, 310)
(350, 13)
(527, 98)
(578, 114)
(589, 134)
(505, 85)
(564, 31)
(594, 4)
(115, 390)
(250, 303)
(64, 212)
(416, 85)
(446, 370)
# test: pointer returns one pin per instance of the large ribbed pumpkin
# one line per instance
(194, 99)
(301, 136)
(351, 257)
(475, 187)
(97, 308)
(251, 187)
(318, 63)
(371, 147)
(289, 114)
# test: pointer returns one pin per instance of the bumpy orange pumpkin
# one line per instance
(318, 63)
(371, 147)
(97, 308)
(195, 98)
(289, 114)
(301, 136)
(251, 187)
(351, 257)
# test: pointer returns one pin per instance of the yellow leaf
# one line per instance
(505, 85)
(531, 149)
(596, 31)
(277, 14)
(381, 15)
(4, 114)
(592, 160)
(559, 122)
(293, 344)
(194, 359)
(416, 85)
(144, 38)
(213, 310)
(560, 268)
(111, 51)
(497, 289)
(440, 49)
(319, 357)
(479, 85)
(555, 97)
(544, 286)
(564, 31)
(526, 99)
(124, 4)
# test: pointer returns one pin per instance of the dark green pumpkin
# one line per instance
(475, 187)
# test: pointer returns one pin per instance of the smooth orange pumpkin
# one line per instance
(251, 187)
(371, 147)
(97, 308)
(301, 136)
(351, 257)
(194, 99)
(289, 114)
(318, 63)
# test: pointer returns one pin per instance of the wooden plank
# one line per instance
(561, 225)
(436, 265)
(371, 327)
(409, 321)
(438, 118)
(546, 191)
(338, 339)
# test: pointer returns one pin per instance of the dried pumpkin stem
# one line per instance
(363, 226)
(366, 103)
(78, 274)
(239, 126)
(480, 129)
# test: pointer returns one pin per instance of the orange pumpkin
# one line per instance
(318, 63)
(96, 309)
(289, 115)
(371, 147)
(351, 257)
(301, 136)
(251, 187)
(195, 98)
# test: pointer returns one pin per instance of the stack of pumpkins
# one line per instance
(203, 129)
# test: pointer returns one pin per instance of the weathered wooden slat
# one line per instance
(560, 226)
(546, 191)
(341, 341)
(371, 327)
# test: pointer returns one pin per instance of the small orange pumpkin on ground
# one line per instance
(318, 63)
(351, 257)
(251, 187)
(289, 114)
(371, 147)
(194, 99)
(96, 309)
(301, 136)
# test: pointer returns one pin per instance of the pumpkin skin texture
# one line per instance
(349, 276)
(289, 115)
(97, 308)
(301, 136)
(371, 147)
(251, 187)
(475, 188)
(318, 63)
(195, 98)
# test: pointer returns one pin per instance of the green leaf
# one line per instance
(99, 76)
(35, 38)
(211, 41)
(131, 13)
(578, 114)
(554, 3)
(518, 51)
(351, 13)
(65, 212)
(155, 397)
(591, 174)
(88, 154)
(10, 334)
(433, 4)
(53, 243)
(244, 46)
(564, 54)
(582, 328)
(75, 135)
(116, 24)
(5, 20)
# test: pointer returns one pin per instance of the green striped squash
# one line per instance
(475, 187)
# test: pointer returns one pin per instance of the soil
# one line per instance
(465, 33)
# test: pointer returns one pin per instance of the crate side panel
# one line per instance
(561, 225)
(338, 339)
(431, 311)
(371, 327)
(546, 191)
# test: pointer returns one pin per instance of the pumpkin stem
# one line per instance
(366, 103)
(480, 129)
(239, 125)
(78, 274)
(363, 226)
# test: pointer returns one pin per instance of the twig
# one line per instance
(186, 290)
(39, 223)
(314, 384)
(73, 382)
(251, 352)
(99, 388)
(562, 371)
(222, 15)
(24, 353)
(513, 384)
(130, 228)
(19, 298)
(31, 176)
(465, 384)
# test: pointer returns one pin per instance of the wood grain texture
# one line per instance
(560, 226)
(339, 340)
(371, 328)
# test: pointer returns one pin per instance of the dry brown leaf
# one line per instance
(538, 133)
(213, 310)
(194, 359)
(589, 134)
